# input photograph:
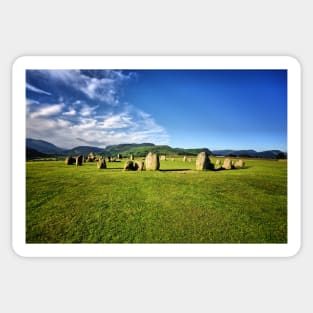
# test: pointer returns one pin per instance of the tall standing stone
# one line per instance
(91, 157)
(152, 162)
(227, 165)
(79, 160)
(69, 160)
(101, 163)
(203, 162)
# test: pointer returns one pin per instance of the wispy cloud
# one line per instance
(90, 111)
(103, 88)
(38, 90)
(47, 111)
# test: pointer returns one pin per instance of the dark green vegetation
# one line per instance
(69, 204)
(35, 148)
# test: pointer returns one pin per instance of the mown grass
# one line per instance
(69, 204)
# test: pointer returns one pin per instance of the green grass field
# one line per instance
(69, 204)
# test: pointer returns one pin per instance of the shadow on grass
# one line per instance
(175, 170)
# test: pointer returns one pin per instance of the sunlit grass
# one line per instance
(67, 204)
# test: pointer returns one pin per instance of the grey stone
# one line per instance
(79, 160)
(227, 164)
(101, 163)
(129, 166)
(203, 162)
(69, 160)
(152, 162)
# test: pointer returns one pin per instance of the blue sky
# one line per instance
(217, 109)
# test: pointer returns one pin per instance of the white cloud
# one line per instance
(70, 112)
(79, 122)
(121, 120)
(103, 89)
(47, 111)
(35, 89)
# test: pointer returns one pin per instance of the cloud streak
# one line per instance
(37, 90)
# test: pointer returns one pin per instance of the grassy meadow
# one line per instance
(69, 204)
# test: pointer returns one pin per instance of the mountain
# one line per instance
(37, 147)
(268, 154)
(84, 150)
(141, 150)
(43, 146)
(34, 154)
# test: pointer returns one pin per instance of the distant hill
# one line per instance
(43, 146)
(40, 148)
(84, 150)
(34, 154)
(268, 154)
(141, 150)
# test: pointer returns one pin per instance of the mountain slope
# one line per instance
(43, 146)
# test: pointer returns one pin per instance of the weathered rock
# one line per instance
(129, 166)
(203, 162)
(69, 160)
(218, 162)
(119, 156)
(131, 157)
(163, 158)
(101, 164)
(184, 159)
(139, 166)
(91, 157)
(239, 164)
(79, 160)
(152, 162)
(227, 164)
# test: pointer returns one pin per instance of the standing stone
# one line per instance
(129, 166)
(131, 157)
(69, 160)
(91, 157)
(152, 162)
(101, 163)
(138, 166)
(240, 164)
(163, 158)
(119, 156)
(79, 160)
(218, 164)
(184, 159)
(227, 164)
(203, 162)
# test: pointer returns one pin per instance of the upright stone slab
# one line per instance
(131, 157)
(91, 157)
(184, 159)
(69, 160)
(240, 164)
(79, 160)
(138, 166)
(203, 162)
(227, 164)
(218, 164)
(163, 158)
(152, 162)
(101, 163)
(129, 166)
